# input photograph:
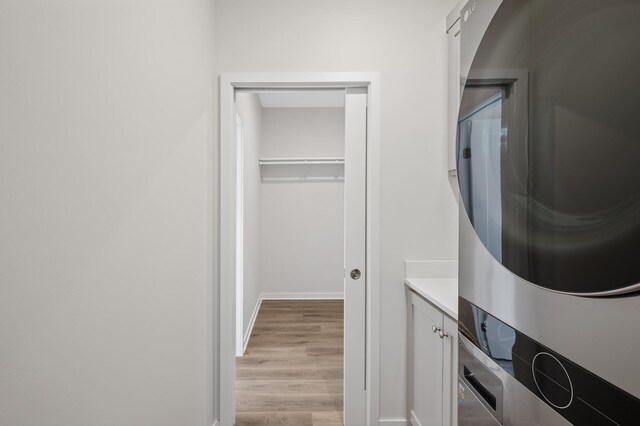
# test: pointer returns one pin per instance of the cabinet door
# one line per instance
(425, 372)
(450, 372)
(453, 37)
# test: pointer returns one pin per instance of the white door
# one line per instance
(355, 255)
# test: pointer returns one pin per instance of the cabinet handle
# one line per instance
(435, 329)
(443, 334)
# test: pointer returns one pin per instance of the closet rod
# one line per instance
(299, 161)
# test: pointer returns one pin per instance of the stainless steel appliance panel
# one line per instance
(599, 334)
(576, 394)
(471, 411)
(520, 407)
(477, 379)
(548, 144)
(548, 168)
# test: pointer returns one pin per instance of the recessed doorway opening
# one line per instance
(289, 297)
(298, 275)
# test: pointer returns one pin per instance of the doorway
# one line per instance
(360, 234)
(290, 370)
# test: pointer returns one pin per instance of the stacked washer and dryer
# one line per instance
(548, 160)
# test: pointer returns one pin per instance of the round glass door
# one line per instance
(549, 143)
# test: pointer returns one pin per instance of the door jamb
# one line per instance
(226, 254)
(239, 226)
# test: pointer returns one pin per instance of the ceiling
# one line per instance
(302, 99)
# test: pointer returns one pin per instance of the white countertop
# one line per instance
(442, 292)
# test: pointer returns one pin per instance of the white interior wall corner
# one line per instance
(250, 110)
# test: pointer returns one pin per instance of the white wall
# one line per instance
(250, 110)
(406, 42)
(302, 222)
(106, 226)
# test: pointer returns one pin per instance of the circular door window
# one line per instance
(549, 143)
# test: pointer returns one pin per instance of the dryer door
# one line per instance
(549, 140)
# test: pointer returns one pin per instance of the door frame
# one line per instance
(229, 83)
(239, 225)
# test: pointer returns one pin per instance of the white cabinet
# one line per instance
(450, 369)
(431, 364)
(453, 84)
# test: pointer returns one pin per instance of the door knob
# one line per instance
(443, 334)
(355, 274)
(435, 329)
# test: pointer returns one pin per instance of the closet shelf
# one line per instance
(301, 169)
(299, 161)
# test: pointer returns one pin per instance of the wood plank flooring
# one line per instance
(292, 371)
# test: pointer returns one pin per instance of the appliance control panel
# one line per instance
(578, 395)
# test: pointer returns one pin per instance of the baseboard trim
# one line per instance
(394, 422)
(413, 419)
(252, 321)
(302, 296)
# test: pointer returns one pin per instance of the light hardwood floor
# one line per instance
(292, 371)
